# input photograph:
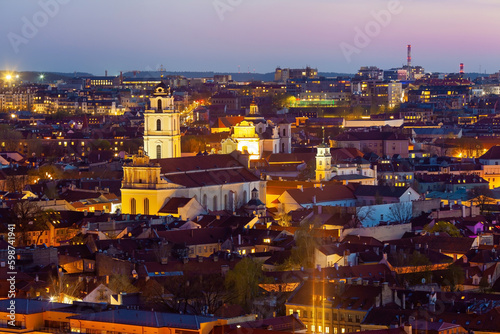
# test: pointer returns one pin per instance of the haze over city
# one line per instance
(250, 167)
(199, 35)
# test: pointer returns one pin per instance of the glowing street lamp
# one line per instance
(8, 77)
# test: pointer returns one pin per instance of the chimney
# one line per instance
(408, 58)
(320, 210)
(407, 328)
(461, 68)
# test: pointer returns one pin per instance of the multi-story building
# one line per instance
(333, 308)
(380, 143)
(373, 93)
(284, 74)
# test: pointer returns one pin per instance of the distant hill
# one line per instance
(235, 76)
(48, 77)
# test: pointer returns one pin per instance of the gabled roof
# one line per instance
(363, 136)
(201, 236)
(173, 205)
(492, 154)
(146, 319)
(384, 191)
(325, 194)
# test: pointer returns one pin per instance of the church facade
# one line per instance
(158, 173)
(217, 182)
(256, 135)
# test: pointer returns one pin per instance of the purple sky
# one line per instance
(219, 35)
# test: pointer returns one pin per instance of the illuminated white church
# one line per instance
(256, 135)
(158, 179)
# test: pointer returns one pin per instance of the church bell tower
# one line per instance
(162, 135)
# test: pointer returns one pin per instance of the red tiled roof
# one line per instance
(173, 205)
(324, 194)
(201, 236)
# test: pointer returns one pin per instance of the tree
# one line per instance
(16, 183)
(193, 144)
(45, 172)
(100, 145)
(121, 283)
(28, 216)
(453, 277)
(484, 285)
(62, 285)
(400, 213)
(303, 254)
(481, 197)
(442, 226)
(363, 214)
(282, 100)
(417, 266)
(9, 138)
(284, 219)
(243, 282)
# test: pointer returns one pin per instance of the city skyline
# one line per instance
(232, 35)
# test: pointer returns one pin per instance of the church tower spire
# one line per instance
(323, 161)
(162, 135)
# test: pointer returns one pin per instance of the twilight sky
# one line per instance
(218, 35)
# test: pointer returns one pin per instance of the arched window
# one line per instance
(204, 201)
(284, 132)
(226, 202)
(283, 148)
(146, 206)
(158, 125)
(215, 208)
(159, 109)
(158, 151)
(133, 206)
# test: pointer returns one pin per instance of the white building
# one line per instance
(162, 136)
(256, 135)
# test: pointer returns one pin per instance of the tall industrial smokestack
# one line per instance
(408, 59)
(461, 68)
